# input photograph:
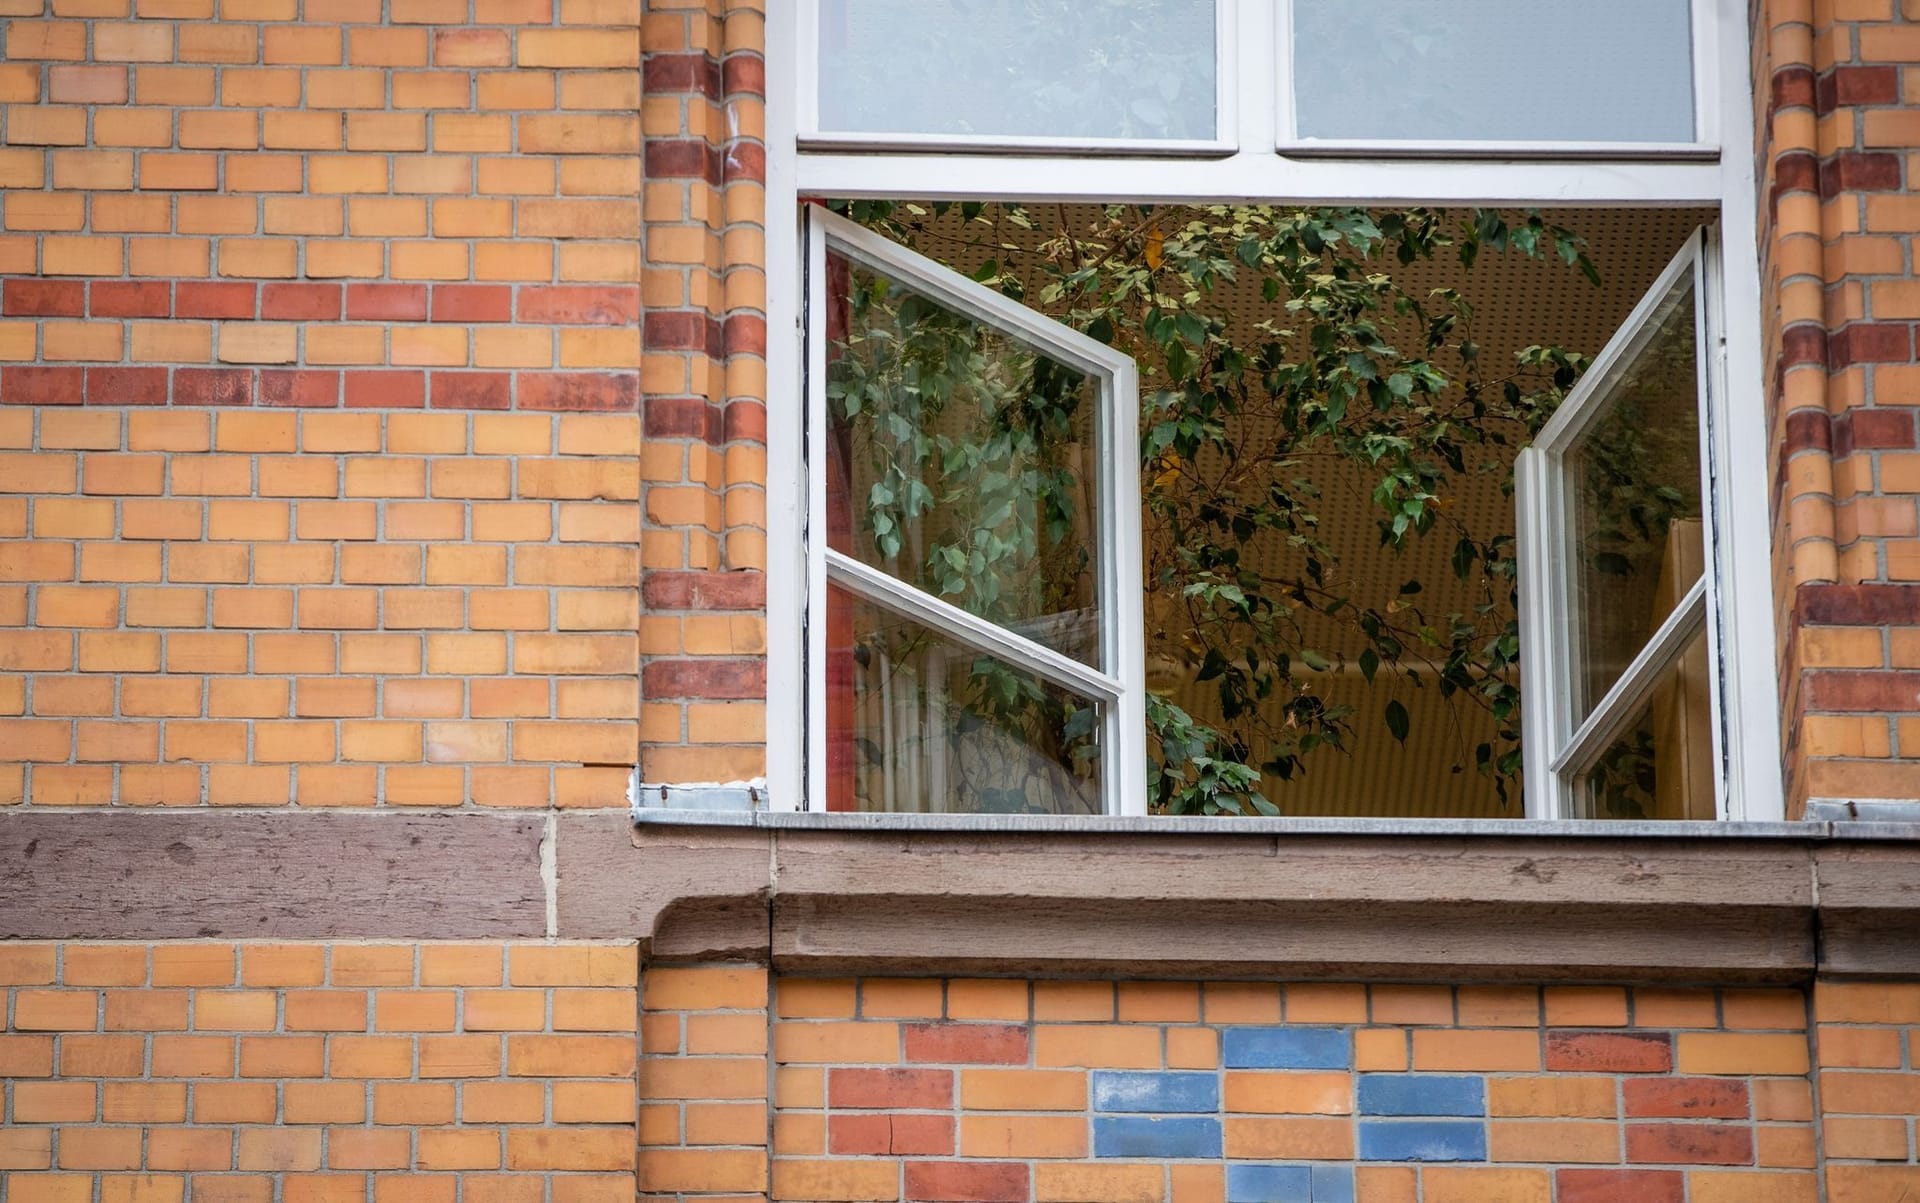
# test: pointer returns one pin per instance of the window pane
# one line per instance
(961, 461)
(1662, 768)
(1634, 500)
(1139, 69)
(1494, 70)
(919, 722)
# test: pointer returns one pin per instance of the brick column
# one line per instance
(704, 550)
(703, 1084)
(1869, 1089)
(1842, 115)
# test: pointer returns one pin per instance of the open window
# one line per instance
(1618, 575)
(978, 628)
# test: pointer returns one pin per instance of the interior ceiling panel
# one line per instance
(1517, 302)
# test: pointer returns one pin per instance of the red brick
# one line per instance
(22, 297)
(384, 389)
(1619, 1186)
(918, 1089)
(1860, 692)
(301, 388)
(387, 302)
(126, 386)
(603, 392)
(716, 678)
(300, 302)
(967, 1181)
(41, 386)
(967, 1043)
(471, 390)
(213, 299)
(123, 298)
(704, 590)
(472, 303)
(1609, 1052)
(1690, 1144)
(891, 1135)
(1685, 1098)
(580, 305)
(212, 386)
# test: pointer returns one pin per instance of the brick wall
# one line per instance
(311, 1072)
(321, 477)
(1838, 86)
(252, 607)
(1071, 1091)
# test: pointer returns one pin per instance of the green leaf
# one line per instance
(1397, 721)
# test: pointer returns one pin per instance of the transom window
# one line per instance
(1166, 77)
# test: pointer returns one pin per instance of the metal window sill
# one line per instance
(1875, 824)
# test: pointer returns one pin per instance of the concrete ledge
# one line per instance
(138, 875)
(1255, 898)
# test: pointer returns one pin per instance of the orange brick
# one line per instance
(1073, 1000)
(1558, 1095)
(413, 1103)
(1290, 1139)
(1449, 1184)
(829, 1043)
(1477, 1050)
(1096, 1046)
(1403, 1005)
(1586, 1006)
(1289, 1093)
(1729, 1053)
(502, 1102)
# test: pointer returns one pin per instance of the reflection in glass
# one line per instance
(1494, 70)
(960, 462)
(1662, 768)
(1634, 500)
(1141, 69)
(920, 722)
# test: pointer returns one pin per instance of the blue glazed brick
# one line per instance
(1422, 1094)
(1159, 1093)
(1269, 1184)
(1141, 1136)
(1332, 1184)
(1286, 1048)
(1422, 1140)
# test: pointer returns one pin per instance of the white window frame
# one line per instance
(1461, 175)
(1120, 685)
(1560, 745)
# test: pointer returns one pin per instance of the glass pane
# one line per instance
(1494, 70)
(918, 722)
(1662, 768)
(961, 461)
(1138, 69)
(1633, 483)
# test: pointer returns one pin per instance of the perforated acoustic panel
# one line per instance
(1517, 302)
